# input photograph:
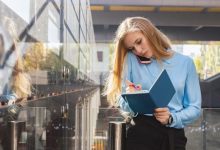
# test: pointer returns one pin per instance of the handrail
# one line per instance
(14, 130)
(117, 135)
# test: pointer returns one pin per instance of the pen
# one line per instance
(134, 86)
(131, 84)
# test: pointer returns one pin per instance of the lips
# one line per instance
(144, 54)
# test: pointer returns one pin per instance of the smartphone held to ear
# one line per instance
(143, 60)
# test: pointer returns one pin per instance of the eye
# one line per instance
(139, 41)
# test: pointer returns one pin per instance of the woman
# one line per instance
(164, 129)
(4, 96)
(15, 84)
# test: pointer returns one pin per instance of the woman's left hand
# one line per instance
(162, 115)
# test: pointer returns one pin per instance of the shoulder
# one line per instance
(181, 59)
(130, 56)
(179, 56)
(184, 60)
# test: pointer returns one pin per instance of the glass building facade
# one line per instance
(48, 56)
(52, 73)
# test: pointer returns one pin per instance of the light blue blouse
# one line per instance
(185, 105)
(6, 93)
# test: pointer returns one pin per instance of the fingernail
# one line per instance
(138, 86)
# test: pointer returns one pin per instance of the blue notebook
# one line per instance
(159, 95)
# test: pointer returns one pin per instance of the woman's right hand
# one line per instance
(131, 87)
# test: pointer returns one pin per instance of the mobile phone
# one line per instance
(143, 60)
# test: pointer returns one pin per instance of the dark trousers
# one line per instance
(149, 134)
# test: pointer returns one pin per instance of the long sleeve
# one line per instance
(6, 94)
(127, 75)
(191, 99)
(6, 98)
(185, 106)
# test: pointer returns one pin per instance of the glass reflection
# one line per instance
(14, 81)
(15, 84)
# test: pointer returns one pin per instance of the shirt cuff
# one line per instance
(176, 122)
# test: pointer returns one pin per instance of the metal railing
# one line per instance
(15, 130)
(108, 132)
(117, 136)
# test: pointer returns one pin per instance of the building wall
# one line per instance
(54, 42)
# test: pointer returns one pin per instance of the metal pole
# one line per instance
(15, 129)
(204, 128)
(117, 136)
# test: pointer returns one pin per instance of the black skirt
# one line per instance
(149, 134)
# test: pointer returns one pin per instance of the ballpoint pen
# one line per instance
(134, 86)
(131, 84)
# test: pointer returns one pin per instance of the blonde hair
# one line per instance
(21, 84)
(159, 43)
(20, 81)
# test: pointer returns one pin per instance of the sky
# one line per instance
(21, 7)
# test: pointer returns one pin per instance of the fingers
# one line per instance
(158, 110)
(162, 115)
(131, 87)
(138, 87)
(128, 82)
(163, 121)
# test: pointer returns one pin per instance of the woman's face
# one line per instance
(138, 44)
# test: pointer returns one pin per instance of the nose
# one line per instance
(138, 49)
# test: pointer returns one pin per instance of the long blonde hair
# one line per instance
(20, 83)
(159, 43)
